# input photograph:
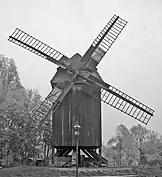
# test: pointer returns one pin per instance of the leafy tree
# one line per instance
(9, 78)
(140, 134)
(153, 147)
(137, 145)
(123, 145)
(17, 105)
(130, 151)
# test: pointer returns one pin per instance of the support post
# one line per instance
(52, 155)
(77, 133)
(77, 159)
(100, 154)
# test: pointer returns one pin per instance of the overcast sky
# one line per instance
(133, 65)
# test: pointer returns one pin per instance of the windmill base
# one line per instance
(66, 157)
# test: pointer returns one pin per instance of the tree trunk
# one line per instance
(45, 146)
(48, 149)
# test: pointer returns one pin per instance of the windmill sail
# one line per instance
(47, 104)
(52, 101)
(104, 40)
(34, 45)
(123, 102)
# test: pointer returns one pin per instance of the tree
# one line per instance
(17, 105)
(9, 78)
(140, 134)
(153, 147)
(115, 148)
(9, 86)
(137, 145)
(123, 145)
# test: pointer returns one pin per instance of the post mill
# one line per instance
(77, 92)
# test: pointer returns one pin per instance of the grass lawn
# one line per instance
(29, 171)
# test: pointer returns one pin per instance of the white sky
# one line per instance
(133, 65)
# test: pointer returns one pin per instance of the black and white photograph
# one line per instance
(80, 88)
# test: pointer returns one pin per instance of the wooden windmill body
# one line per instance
(78, 104)
(77, 92)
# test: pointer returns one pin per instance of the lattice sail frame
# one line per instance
(107, 37)
(34, 45)
(47, 104)
(119, 101)
(123, 102)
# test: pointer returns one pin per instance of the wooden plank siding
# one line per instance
(88, 110)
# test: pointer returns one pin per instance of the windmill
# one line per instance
(77, 92)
